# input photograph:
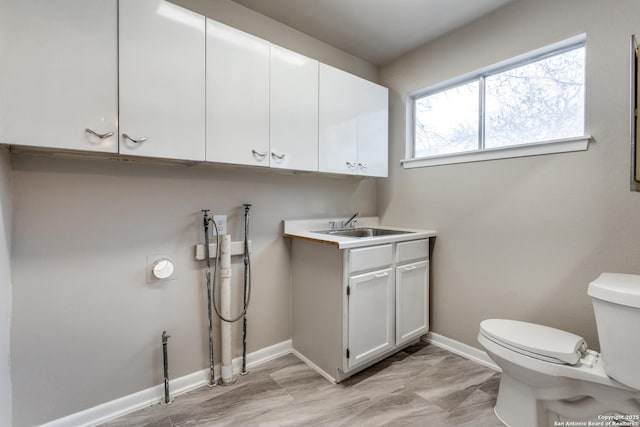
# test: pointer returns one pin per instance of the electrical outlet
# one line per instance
(221, 222)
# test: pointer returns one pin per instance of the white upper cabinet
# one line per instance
(59, 74)
(237, 96)
(150, 78)
(162, 80)
(353, 124)
(373, 129)
(338, 118)
(293, 130)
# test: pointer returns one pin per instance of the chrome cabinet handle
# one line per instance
(385, 274)
(259, 155)
(351, 165)
(278, 156)
(99, 135)
(413, 267)
(135, 141)
(362, 165)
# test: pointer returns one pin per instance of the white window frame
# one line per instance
(579, 143)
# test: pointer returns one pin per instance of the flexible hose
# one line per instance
(215, 279)
(212, 375)
(247, 266)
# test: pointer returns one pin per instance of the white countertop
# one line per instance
(304, 229)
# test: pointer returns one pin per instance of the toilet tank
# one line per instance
(616, 303)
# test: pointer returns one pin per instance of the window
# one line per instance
(530, 105)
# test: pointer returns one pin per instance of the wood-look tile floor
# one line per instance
(422, 385)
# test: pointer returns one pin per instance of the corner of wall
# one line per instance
(5, 287)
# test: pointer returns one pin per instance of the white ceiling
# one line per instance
(377, 31)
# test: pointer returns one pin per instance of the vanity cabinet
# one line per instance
(412, 290)
(237, 96)
(369, 306)
(353, 307)
(162, 80)
(353, 120)
(412, 284)
(59, 74)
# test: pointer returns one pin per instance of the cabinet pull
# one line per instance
(363, 165)
(383, 274)
(99, 135)
(259, 155)
(278, 156)
(412, 267)
(135, 141)
(351, 165)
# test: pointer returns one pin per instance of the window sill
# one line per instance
(522, 150)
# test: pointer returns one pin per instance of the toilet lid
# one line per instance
(541, 342)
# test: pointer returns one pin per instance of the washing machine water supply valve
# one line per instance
(221, 278)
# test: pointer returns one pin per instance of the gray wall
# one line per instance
(5, 286)
(86, 325)
(522, 238)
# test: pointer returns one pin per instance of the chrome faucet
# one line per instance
(351, 221)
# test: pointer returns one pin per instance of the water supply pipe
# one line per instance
(246, 287)
(206, 219)
(227, 377)
(165, 359)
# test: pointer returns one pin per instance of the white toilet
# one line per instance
(549, 375)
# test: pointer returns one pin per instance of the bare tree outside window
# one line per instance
(447, 121)
(540, 101)
(533, 102)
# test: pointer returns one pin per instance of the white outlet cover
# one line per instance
(221, 222)
(151, 263)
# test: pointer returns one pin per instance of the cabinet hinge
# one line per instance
(348, 293)
(348, 354)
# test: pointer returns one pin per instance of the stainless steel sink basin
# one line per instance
(362, 232)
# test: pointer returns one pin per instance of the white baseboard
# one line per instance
(461, 349)
(124, 405)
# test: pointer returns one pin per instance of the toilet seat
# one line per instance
(536, 341)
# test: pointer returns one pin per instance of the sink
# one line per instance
(362, 232)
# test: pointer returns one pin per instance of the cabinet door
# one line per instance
(237, 96)
(293, 111)
(373, 134)
(338, 116)
(371, 316)
(59, 74)
(162, 80)
(412, 307)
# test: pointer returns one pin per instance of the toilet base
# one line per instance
(517, 406)
(534, 393)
